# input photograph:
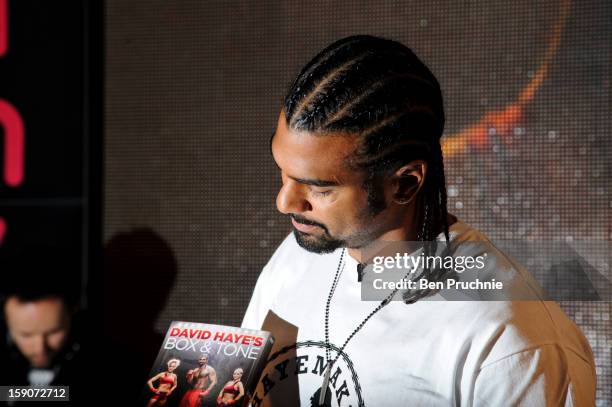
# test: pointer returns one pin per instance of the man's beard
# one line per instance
(315, 244)
(320, 245)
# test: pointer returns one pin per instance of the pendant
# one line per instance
(325, 384)
(314, 400)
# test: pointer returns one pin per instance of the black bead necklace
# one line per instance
(330, 363)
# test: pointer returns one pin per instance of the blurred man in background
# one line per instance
(42, 329)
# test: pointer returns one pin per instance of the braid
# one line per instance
(442, 189)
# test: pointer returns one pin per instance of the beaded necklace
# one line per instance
(330, 363)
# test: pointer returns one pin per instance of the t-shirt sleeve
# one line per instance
(269, 284)
(546, 375)
(261, 302)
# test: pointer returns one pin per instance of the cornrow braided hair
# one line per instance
(378, 90)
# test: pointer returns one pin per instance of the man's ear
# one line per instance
(408, 181)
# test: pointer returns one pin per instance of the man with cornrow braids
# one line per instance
(358, 148)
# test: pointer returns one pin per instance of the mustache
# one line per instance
(301, 219)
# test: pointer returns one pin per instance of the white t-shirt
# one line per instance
(430, 353)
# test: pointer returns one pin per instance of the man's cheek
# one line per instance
(56, 340)
(27, 346)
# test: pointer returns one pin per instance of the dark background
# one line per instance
(45, 75)
(42, 77)
(192, 94)
(51, 74)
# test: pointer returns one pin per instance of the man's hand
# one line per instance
(205, 393)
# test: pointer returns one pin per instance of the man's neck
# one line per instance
(407, 233)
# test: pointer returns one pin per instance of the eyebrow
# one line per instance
(315, 182)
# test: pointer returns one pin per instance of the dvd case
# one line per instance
(203, 365)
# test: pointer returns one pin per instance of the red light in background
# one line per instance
(2, 230)
(14, 143)
(12, 126)
(3, 27)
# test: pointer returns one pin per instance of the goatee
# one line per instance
(319, 245)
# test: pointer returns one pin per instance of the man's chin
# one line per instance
(316, 244)
(40, 364)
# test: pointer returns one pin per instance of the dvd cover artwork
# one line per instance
(203, 365)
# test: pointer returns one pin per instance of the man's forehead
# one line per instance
(34, 315)
(49, 305)
(305, 153)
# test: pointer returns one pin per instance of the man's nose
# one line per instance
(291, 198)
(39, 345)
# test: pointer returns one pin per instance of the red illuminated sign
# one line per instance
(12, 126)
(14, 144)
(3, 27)
(2, 230)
